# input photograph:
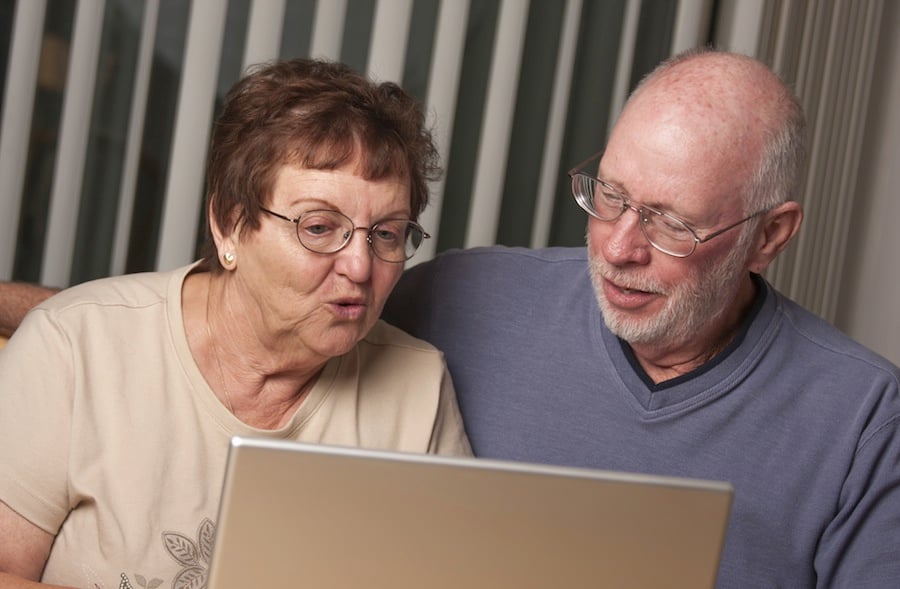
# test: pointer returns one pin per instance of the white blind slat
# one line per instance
(184, 186)
(74, 132)
(264, 31)
(691, 24)
(328, 29)
(443, 85)
(484, 211)
(136, 117)
(621, 85)
(390, 31)
(556, 126)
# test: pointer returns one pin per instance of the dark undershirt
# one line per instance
(710, 364)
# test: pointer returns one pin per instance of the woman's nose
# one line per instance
(356, 258)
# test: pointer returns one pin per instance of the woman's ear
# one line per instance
(778, 228)
(214, 227)
(226, 243)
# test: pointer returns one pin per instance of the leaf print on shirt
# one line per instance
(193, 556)
(142, 581)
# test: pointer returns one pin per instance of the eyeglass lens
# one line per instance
(325, 232)
(664, 232)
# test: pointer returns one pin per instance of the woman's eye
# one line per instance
(386, 235)
(318, 227)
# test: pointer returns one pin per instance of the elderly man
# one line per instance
(661, 349)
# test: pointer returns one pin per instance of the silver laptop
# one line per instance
(302, 515)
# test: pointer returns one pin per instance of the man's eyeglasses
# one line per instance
(664, 232)
(327, 232)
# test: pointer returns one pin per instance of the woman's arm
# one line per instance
(24, 549)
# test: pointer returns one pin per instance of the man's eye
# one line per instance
(671, 226)
(608, 200)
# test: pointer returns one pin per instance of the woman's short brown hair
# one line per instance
(319, 115)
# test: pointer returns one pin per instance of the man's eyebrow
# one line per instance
(655, 205)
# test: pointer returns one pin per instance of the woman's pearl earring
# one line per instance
(228, 257)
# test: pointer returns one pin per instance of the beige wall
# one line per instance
(869, 306)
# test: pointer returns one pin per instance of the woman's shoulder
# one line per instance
(136, 289)
(385, 335)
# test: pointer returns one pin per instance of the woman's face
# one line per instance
(321, 303)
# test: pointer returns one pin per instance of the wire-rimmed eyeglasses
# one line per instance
(326, 232)
(667, 233)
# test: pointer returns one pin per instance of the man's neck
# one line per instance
(667, 360)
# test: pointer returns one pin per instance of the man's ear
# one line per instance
(778, 228)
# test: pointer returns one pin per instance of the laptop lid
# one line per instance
(295, 514)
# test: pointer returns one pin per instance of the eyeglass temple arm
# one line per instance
(576, 169)
(280, 216)
(730, 227)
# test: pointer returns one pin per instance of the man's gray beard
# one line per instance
(702, 297)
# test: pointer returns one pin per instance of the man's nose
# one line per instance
(624, 240)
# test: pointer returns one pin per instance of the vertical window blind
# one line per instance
(107, 107)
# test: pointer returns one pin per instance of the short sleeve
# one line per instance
(36, 399)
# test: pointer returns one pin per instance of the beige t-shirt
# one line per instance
(111, 438)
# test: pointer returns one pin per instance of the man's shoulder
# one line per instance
(501, 254)
(471, 284)
(496, 261)
(832, 346)
(496, 269)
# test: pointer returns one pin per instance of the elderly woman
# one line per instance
(118, 397)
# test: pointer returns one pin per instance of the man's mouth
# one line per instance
(627, 296)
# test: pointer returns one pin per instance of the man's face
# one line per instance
(689, 298)
(648, 297)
